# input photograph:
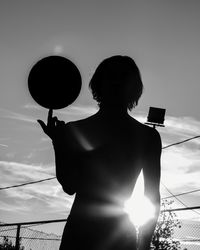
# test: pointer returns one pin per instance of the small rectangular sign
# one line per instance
(156, 115)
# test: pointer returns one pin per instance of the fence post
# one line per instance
(17, 243)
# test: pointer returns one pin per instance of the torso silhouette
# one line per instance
(108, 152)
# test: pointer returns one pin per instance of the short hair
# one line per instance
(118, 71)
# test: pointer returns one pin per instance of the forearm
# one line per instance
(65, 169)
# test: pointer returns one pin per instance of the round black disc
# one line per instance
(54, 82)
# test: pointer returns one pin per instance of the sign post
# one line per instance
(156, 117)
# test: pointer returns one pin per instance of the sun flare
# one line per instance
(139, 208)
(58, 49)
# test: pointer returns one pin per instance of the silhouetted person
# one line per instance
(99, 159)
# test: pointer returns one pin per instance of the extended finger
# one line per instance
(54, 121)
(50, 115)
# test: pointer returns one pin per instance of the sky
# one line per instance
(163, 38)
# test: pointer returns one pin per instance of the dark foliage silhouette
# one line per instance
(163, 235)
(8, 245)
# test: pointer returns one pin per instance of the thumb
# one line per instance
(42, 124)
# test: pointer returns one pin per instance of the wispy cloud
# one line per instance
(75, 112)
(70, 113)
(49, 195)
(181, 128)
(31, 106)
(18, 172)
(3, 145)
(5, 113)
(72, 109)
(188, 125)
(12, 207)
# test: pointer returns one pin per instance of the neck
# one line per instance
(113, 110)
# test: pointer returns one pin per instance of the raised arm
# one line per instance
(61, 138)
(66, 161)
(151, 172)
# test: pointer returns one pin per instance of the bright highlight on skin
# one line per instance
(140, 210)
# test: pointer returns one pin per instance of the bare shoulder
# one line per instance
(148, 131)
(150, 136)
(153, 140)
(152, 133)
(79, 123)
(73, 128)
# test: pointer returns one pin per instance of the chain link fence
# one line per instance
(24, 237)
(188, 235)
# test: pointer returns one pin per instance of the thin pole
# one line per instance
(17, 244)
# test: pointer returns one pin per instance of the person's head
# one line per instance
(117, 81)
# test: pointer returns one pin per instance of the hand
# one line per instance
(54, 128)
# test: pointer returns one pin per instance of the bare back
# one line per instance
(110, 155)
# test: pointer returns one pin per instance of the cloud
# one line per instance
(12, 207)
(71, 109)
(70, 113)
(42, 196)
(48, 195)
(31, 106)
(4, 113)
(180, 128)
(183, 157)
(12, 172)
(186, 125)
(140, 116)
(3, 145)
(75, 112)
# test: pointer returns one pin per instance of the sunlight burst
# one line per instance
(139, 208)
(140, 211)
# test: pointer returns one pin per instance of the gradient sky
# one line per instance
(164, 39)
